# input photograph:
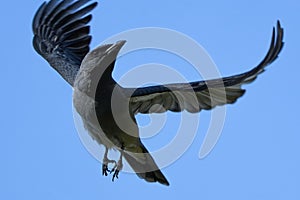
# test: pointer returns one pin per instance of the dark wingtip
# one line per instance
(275, 48)
(278, 24)
(93, 5)
(37, 16)
(279, 42)
(280, 33)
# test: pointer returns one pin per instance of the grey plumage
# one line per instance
(61, 36)
(208, 94)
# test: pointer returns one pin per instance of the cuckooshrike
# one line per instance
(61, 36)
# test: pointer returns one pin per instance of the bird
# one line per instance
(62, 37)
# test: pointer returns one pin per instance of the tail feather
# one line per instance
(147, 170)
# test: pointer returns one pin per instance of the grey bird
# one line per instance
(62, 37)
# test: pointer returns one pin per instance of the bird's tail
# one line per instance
(147, 170)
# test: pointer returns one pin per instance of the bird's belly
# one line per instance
(85, 107)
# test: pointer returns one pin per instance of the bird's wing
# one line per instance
(195, 96)
(61, 33)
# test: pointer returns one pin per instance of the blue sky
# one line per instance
(257, 156)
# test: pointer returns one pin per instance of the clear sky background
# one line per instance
(257, 156)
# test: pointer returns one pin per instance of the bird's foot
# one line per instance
(105, 169)
(116, 169)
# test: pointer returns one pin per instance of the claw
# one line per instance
(106, 161)
(105, 170)
(116, 169)
(116, 175)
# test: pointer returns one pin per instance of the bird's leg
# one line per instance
(105, 163)
(118, 167)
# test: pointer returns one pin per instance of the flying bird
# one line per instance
(62, 37)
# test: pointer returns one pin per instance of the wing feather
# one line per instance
(61, 34)
(195, 96)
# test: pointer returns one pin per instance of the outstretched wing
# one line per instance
(61, 34)
(199, 95)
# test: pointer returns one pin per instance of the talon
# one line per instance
(117, 168)
(116, 175)
(105, 169)
(112, 170)
(105, 163)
